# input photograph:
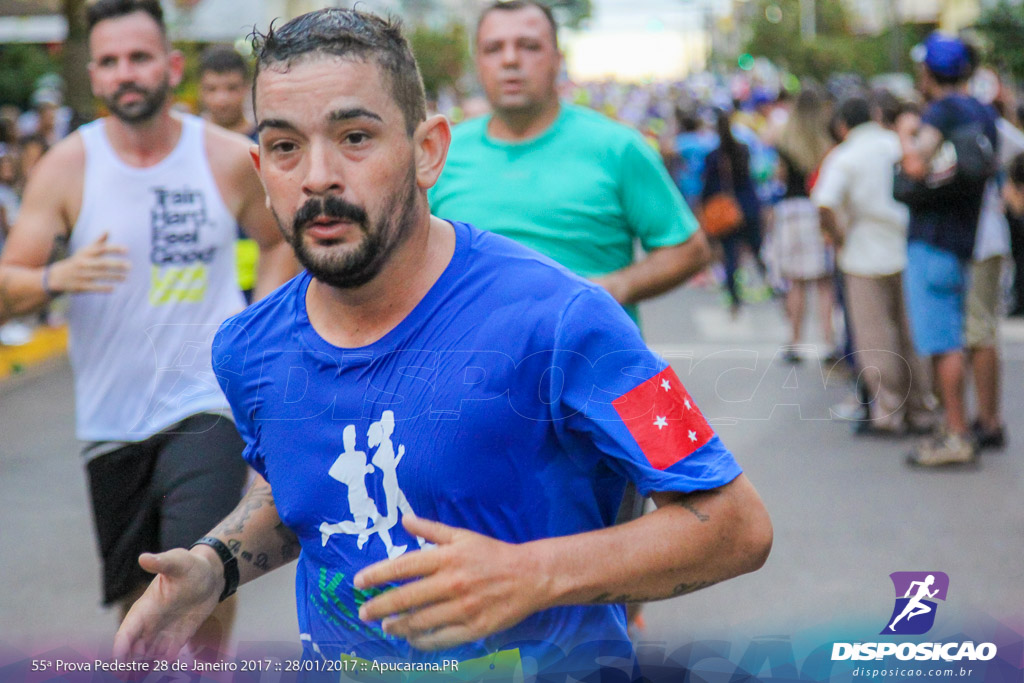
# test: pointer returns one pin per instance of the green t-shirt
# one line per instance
(582, 192)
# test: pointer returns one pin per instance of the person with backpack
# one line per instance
(948, 157)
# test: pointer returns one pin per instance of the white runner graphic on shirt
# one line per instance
(351, 469)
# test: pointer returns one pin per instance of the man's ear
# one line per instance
(254, 154)
(177, 61)
(431, 140)
(91, 68)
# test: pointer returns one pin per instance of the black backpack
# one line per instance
(958, 171)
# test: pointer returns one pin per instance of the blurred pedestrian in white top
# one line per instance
(803, 257)
(869, 228)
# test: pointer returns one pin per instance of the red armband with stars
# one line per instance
(664, 419)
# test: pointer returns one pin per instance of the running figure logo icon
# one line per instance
(351, 468)
(914, 612)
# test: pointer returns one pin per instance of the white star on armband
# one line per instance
(693, 436)
(665, 385)
(660, 422)
(686, 402)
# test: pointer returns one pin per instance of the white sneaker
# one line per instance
(944, 450)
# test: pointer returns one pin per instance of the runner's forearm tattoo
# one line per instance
(680, 589)
(290, 542)
(259, 498)
(687, 504)
(684, 588)
(261, 561)
(701, 517)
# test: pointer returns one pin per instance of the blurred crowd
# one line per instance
(787, 133)
(809, 168)
(24, 137)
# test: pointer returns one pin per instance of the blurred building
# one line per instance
(23, 21)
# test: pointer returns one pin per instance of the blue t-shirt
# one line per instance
(693, 147)
(489, 407)
(953, 226)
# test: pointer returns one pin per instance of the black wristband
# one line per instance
(229, 561)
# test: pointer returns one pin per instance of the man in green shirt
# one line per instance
(564, 180)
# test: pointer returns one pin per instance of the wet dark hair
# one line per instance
(101, 10)
(853, 111)
(350, 34)
(223, 59)
(516, 5)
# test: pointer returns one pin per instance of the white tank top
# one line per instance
(141, 354)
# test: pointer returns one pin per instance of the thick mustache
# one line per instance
(328, 207)
(129, 88)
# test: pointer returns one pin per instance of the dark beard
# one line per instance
(152, 102)
(360, 266)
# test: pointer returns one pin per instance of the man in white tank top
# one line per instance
(148, 202)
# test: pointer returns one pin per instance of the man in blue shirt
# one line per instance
(443, 421)
(693, 144)
(941, 238)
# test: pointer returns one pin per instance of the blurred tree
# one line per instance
(21, 65)
(835, 49)
(188, 92)
(442, 55)
(570, 13)
(75, 59)
(1002, 26)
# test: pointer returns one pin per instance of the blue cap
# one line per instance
(944, 55)
(761, 96)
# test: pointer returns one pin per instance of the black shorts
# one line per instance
(165, 492)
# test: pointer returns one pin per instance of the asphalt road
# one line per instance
(846, 511)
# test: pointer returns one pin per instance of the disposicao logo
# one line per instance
(914, 615)
(916, 592)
